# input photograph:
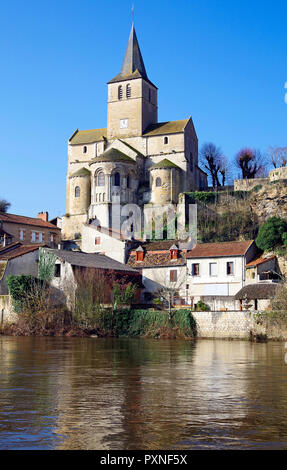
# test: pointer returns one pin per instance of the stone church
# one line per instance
(135, 159)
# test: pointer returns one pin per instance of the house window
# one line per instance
(77, 191)
(165, 140)
(173, 275)
(40, 237)
(128, 91)
(213, 269)
(195, 269)
(229, 268)
(120, 92)
(97, 240)
(33, 236)
(21, 234)
(158, 182)
(57, 272)
(253, 275)
(52, 237)
(85, 149)
(117, 179)
(101, 179)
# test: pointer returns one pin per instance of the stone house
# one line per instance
(257, 296)
(71, 264)
(28, 230)
(163, 266)
(135, 159)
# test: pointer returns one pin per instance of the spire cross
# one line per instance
(133, 13)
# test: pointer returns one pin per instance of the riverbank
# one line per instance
(182, 324)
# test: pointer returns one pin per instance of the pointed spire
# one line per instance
(133, 63)
(133, 59)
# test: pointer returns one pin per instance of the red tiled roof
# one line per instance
(18, 251)
(9, 247)
(258, 261)
(156, 258)
(20, 219)
(213, 250)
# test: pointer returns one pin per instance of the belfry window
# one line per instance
(128, 91)
(117, 179)
(120, 92)
(158, 182)
(77, 191)
(165, 140)
(85, 149)
(101, 179)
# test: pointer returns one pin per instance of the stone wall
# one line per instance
(238, 325)
(7, 314)
(248, 184)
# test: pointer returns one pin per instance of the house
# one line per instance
(112, 243)
(217, 271)
(28, 230)
(70, 265)
(16, 259)
(263, 269)
(163, 266)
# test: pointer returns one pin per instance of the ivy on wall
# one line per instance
(46, 268)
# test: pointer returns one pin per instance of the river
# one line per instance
(107, 394)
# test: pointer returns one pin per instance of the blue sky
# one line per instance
(222, 62)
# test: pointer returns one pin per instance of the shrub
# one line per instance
(202, 307)
(270, 234)
(204, 197)
(20, 288)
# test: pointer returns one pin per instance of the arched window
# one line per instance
(158, 182)
(120, 92)
(85, 149)
(128, 91)
(165, 140)
(101, 179)
(117, 179)
(128, 181)
(77, 191)
(100, 196)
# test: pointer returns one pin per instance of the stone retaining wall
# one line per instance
(6, 310)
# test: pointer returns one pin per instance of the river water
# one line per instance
(88, 393)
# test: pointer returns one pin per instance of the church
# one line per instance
(135, 159)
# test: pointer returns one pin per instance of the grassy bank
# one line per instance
(106, 322)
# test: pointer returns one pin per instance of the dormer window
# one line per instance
(139, 254)
(85, 149)
(128, 91)
(173, 252)
(165, 140)
(120, 92)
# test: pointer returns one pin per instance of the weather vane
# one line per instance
(133, 12)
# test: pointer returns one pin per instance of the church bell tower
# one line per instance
(132, 97)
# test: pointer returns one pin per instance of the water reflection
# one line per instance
(71, 393)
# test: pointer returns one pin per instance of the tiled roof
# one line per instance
(258, 261)
(81, 172)
(20, 219)
(113, 155)
(213, 250)
(18, 251)
(159, 245)
(165, 163)
(90, 260)
(9, 247)
(2, 232)
(88, 136)
(257, 291)
(169, 127)
(155, 259)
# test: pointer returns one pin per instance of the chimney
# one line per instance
(43, 216)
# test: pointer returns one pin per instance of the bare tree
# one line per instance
(251, 163)
(277, 156)
(4, 205)
(214, 162)
(169, 287)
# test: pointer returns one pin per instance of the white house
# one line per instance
(216, 272)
